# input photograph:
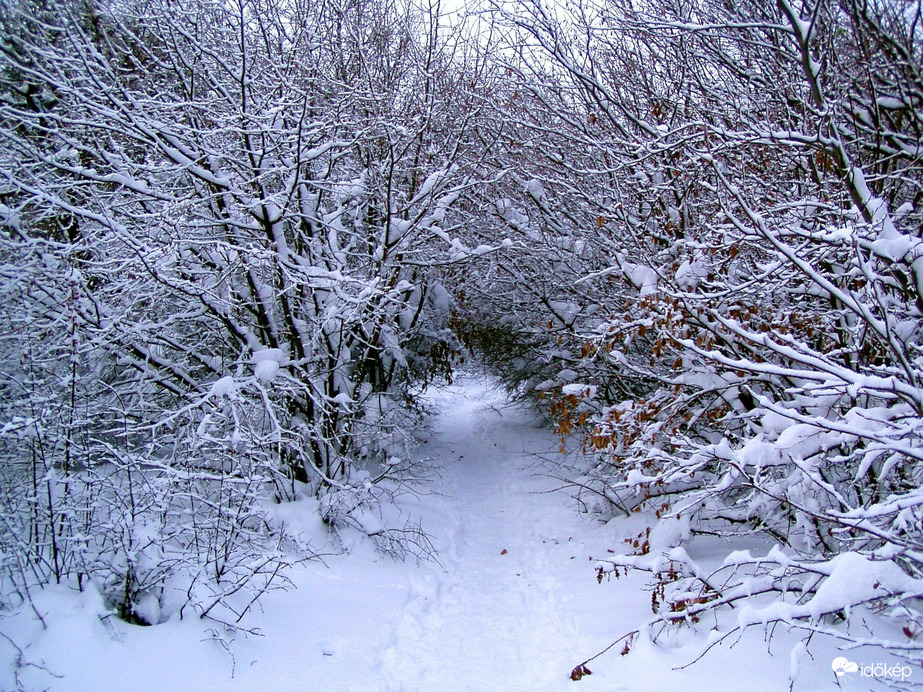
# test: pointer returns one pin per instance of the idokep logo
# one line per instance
(841, 666)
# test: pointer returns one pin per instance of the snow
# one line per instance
(636, 477)
(759, 453)
(690, 273)
(223, 387)
(431, 181)
(848, 578)
(398, 229)
(903, 210)
(535, 189)
(440, 298)
(564, 311)
(643, 278)
(582, 390)
(669, 532)
(567, 375)
(512, 604)
(853, 578)
(266, 363)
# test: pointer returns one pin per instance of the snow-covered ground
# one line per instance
(512, 605)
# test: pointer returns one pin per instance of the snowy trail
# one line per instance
(511, 606)
(520, 620)
(497, 615)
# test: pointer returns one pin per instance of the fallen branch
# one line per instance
(580, 670)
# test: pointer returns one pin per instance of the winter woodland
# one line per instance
(239, 240)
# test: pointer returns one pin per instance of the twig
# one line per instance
(21, 661)
(580, 670)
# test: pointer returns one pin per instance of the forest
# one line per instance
(238, 238)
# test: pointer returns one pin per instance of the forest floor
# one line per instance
(512, 603)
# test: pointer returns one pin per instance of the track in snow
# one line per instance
(496, 615)
(519, 621)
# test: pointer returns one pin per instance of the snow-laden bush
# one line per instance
(216, 236)
(751, 177)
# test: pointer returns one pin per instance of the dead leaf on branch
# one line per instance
(579, 672)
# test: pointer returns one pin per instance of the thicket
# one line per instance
(718, 207)
(219, 222)
(238, 236)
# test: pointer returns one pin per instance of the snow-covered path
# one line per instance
(497, 614)
(511, 606)
(514, 604)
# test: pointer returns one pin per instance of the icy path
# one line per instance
(512, 605)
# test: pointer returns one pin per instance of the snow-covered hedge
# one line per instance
(216, 232)
(733, 191)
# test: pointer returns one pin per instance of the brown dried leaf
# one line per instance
(579, 672)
